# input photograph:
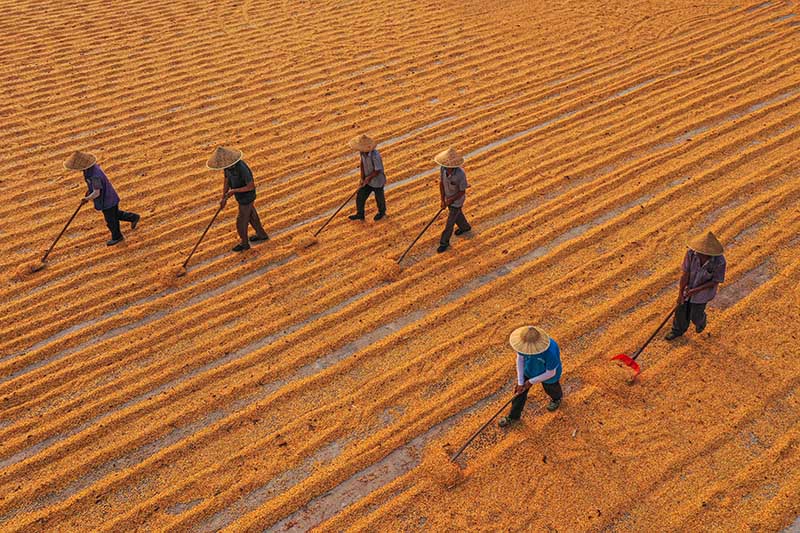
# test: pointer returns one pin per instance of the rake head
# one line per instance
(630, 363)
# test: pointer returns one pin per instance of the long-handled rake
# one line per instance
(41, 264)
(182, 270)
(630, 361)
(420, 235)
(484, 426)
(335, 213)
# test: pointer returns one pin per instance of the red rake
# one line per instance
(630, 361)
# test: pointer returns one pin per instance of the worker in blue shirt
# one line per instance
(538, 361)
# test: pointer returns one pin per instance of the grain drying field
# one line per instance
(285, 388)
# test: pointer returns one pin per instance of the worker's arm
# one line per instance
(441, 193)
(520, 370)
(96, 187)
(225, 192)
(249, 186)
(544, 376)
(452, 199)
(682, 287)
(91, 196)
(707, 285)
(519, 386)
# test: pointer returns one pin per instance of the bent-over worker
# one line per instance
(100, 190)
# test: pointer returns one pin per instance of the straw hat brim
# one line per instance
(222, 166)
(520, 345)
(69, 164)
(362, 145)
(449, 162)
(706, 245)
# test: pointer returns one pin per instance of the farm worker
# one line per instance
(373, 178)
(538, 361)
(238, 182)
(703, 269)
(452, 191)
(100, 190)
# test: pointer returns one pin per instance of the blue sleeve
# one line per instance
(552, 359)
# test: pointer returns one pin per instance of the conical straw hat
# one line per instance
(450, 158)
(362, 143)
(707, 244)
(529, 340)
(223, 158)
(79, 161)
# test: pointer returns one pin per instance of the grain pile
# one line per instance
(286, 390)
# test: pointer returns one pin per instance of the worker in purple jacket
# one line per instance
(100, 190)
(703, 269)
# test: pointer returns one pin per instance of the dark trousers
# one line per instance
(248, 216)
(113, 215)
(552, 389)
(455, 217)
(363, 194)
(688, 313)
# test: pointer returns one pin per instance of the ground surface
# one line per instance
(286, 389)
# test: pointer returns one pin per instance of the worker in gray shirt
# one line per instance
(373, 178)
(702, 270)
(452, 191)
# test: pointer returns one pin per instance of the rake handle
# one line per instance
(44, 257)
(484, 426)
(653, 336)
(336, 212)
(202, 236)
(420, 235)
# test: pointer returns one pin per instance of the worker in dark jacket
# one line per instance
(538, 361)
(702, 270)
(372, 177)
(100, 190)
(239, 183)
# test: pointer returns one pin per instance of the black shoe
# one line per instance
(442, 248)
(507, 421)
(135, 221)
(459, 232)
(553, 405)
(112, 242)
(356, 217)
(379, 216)
(241, 247)
(699, 329)
(256, 238)
(671, 336)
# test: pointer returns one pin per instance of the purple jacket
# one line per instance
(96, 179)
